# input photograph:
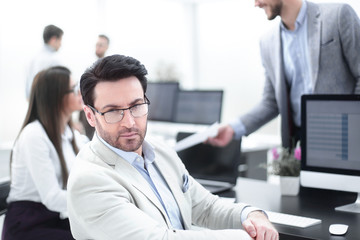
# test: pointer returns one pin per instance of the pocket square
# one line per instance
(185, 186)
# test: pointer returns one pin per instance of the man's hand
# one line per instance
(224, 136)
(259, 227)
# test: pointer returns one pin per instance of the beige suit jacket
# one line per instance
(109, 199)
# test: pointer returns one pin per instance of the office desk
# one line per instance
(313, 203)
(254, 148)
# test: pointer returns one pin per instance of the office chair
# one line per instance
(4, 192)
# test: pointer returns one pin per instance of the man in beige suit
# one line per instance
(123, 186)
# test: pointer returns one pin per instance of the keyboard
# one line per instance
(292, 220)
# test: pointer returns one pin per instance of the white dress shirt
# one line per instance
(36, 171)
(45, 58)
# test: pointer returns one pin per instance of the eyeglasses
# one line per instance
(116, 115)
(75, 89)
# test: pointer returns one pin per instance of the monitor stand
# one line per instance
(352, 207)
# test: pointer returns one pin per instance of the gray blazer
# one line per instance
(109, 199)
(334, 50)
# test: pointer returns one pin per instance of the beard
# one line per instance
(117, 141)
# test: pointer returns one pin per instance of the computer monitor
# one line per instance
(330, 144)
(199, 106)
(162, 96)
(206, 162)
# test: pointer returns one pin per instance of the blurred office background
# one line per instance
(204, 44)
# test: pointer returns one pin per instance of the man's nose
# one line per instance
(128, 119)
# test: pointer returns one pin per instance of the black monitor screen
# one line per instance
(162, 96)
(199, 107)
(212, 163)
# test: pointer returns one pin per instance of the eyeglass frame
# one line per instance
(147, 101)
(75, 89)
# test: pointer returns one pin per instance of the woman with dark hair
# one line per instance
(41, 159)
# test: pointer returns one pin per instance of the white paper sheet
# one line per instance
(197, 138)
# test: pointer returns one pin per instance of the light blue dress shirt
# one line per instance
(148, 169)
(296, 62)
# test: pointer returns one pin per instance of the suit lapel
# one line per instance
(278, 62)
(137, 180)
(175, 189)
(282, 90)
(313, 35)
(127, 172)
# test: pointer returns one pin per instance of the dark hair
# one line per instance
(111, 68)
(46, 105)
(106, 37)
(51, 31)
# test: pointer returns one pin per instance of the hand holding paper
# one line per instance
(197, 138)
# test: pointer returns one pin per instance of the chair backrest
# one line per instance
(4, 192)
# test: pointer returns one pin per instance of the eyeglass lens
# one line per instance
(136, 111)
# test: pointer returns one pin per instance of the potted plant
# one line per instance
(286, 164)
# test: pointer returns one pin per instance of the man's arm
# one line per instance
(349, 26)
(262, 113)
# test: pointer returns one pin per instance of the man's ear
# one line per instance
(90, 116)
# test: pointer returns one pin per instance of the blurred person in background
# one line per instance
(41, 159)
(47, 56)
(101, 47)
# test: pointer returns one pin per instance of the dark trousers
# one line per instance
(26, 220)
(297, 136)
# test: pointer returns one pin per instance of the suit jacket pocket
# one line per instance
(327, 42)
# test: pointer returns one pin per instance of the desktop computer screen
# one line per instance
(330, 144)
(163, 97)
(199, 106)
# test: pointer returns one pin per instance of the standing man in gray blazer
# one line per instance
(314, 50)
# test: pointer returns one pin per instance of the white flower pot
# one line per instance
(289, 186)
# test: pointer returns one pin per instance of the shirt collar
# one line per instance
(49, 48)
(300, 19)
(130, 157)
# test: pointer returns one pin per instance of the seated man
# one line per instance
(125, 187)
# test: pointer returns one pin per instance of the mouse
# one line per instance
(338, 229)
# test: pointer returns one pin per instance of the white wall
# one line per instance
(229, 54)
(157, 32)
(151, 31)
(21, 26)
